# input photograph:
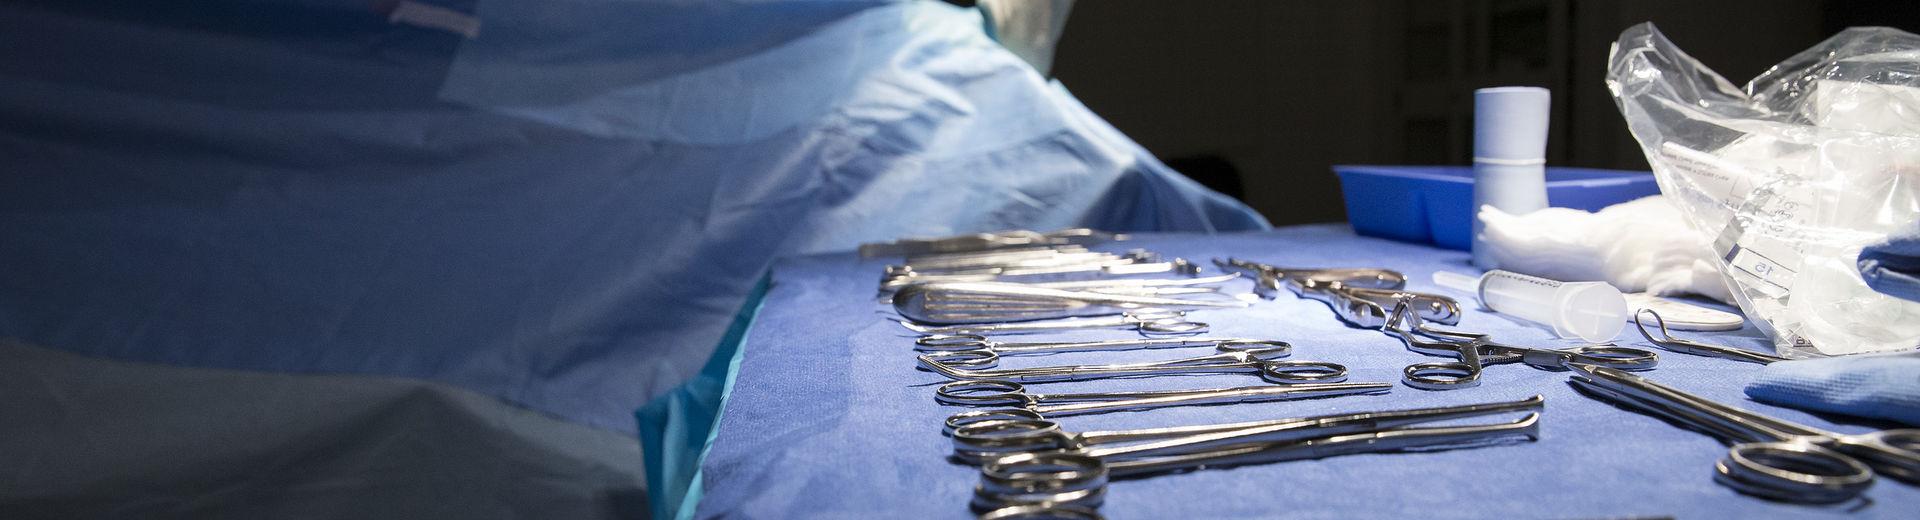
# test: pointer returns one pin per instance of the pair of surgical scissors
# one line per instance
(1068, 470)
(1769, 457)
(1687, 346)
(1476, 351)
(1037, 406)
(1263, 361)
(1362, 297)
(974, 351)
(1147, 321)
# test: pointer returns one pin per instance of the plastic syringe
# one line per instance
(1590, 311)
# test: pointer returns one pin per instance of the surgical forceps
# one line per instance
(971, 351)
(1476, 351)
(980, 441)
(1361, 297)
(988, 302)
(1687, 346)
(1034, 406)
(1147, 321)
(1769, 457)
(1078, 476)
(1263, 361)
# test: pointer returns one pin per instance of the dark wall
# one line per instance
(1278, 91)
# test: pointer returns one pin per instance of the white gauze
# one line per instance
(1642, 245)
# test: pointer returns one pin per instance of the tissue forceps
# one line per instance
(1687, 346)
(982, 441)
(1476, 351)
(1036, 406)
(972, 351)
(1263, 361)
(1769, 457)
(1078, 478)
(1147, 321)
(988, 302)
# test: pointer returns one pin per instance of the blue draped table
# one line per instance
(828, 418)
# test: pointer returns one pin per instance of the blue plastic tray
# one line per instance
(1434, 204)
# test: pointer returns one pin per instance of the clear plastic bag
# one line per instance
(1793, 174)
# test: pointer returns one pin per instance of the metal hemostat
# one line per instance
(1066, 470)
(991, 302)
(1768, 457)
(1475, 351)
(1147, 321)
(1266, 362)
(1037, 406)
(971, 351)
(1361, 297)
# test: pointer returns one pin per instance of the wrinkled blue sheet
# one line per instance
(563, 211)
(1877, 386)
(828, 418)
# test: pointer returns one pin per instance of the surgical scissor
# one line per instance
(978, 441)
(1034, 406)
(1263, 361)
(1687, 346)
(1077, 477)
(1147, 321)
(974, 351)
(1769, 457)
(1476, 351)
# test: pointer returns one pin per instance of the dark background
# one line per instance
(1274, 92)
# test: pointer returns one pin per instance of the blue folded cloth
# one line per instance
(1881, 387)
(1893, 267)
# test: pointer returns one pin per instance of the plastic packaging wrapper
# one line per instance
(1790, 176)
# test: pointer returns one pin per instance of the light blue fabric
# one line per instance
(565, 211)
(677, 428)
(1893, 266)
(1880, 386)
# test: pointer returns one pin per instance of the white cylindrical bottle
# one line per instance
(1509, 154)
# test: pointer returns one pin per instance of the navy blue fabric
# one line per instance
(1893, 266)
(1882, 386)
(828, 418)
(564, 211)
